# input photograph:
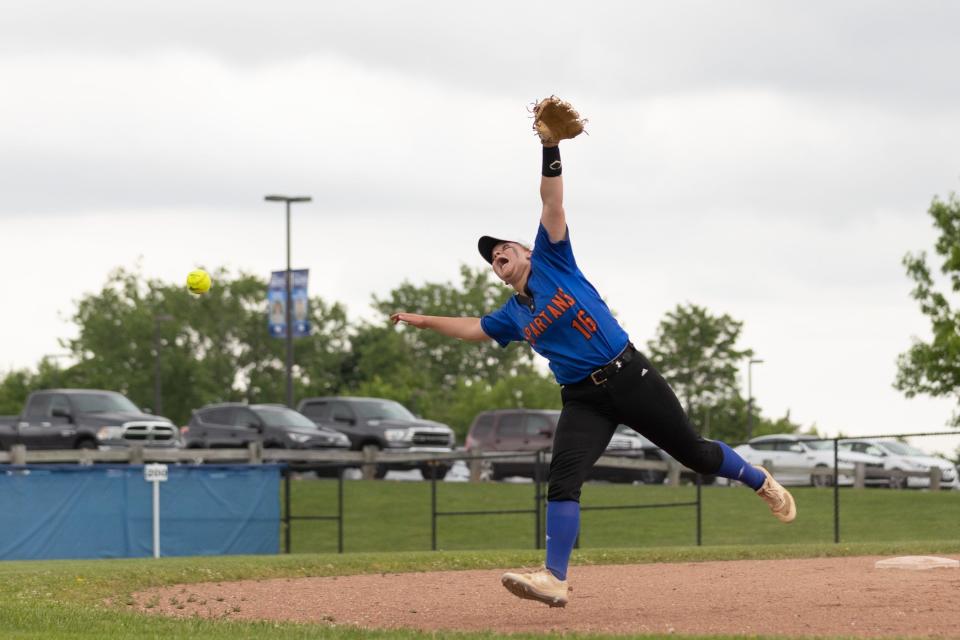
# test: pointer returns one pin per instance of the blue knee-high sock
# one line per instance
(736, 468)
(563, 523)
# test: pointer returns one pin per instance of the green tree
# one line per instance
(17, 384)
(933, 367)
(727, 419)
(697, 354)
(213, 347)
(448, 361)
(442, 378)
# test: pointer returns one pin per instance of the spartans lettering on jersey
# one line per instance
(559, 304)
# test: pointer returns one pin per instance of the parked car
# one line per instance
(384, 424)
(903, 457)
(513, 430)
(793, 457)
(85, 419)
(528, 430)
(234, 424)
(653, 452)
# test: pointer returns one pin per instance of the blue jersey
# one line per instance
(566, 321)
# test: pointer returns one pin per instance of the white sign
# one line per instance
(155, 472)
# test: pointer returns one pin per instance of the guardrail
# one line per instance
(254, 453)
(858, 473)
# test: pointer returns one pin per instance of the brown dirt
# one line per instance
(822, 596)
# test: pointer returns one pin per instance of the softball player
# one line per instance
(604, 380)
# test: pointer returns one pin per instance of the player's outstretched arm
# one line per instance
(553, 218)
(462, 328)
(554, 120)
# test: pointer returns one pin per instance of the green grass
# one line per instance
(396, 515)
(66, 599)
(56, 600)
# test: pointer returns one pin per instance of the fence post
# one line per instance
(85, 456)
(836, 491)
(369, 459)
(476, 465)
(340, 510)
(18, 454)
(286, 509)
(859, 480)
(699, 511)
(433, 505)
(673, 473)
(255, 452)
(935, 478)
(136, 454)
(537, 498)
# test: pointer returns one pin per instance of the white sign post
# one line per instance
(155, 473)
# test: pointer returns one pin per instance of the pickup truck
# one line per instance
(384, 424)
(85, 419)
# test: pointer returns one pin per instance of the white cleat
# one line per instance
(777, 498)
(539, 585)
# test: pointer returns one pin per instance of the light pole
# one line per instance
(289, 318)
(750, 396)
(157, 393)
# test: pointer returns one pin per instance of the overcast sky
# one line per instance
(769, 160)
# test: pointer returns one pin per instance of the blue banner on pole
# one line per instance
(276, 303)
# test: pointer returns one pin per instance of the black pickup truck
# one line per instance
(85, 419)
(384, 424)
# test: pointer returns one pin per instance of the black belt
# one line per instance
(613, 367)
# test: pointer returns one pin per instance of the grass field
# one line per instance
(67, 599)
(382, 516)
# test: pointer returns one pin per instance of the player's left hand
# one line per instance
(413, 319)
(555, 120)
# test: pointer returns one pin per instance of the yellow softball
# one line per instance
(198, 281)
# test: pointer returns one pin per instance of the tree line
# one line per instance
(216, 348)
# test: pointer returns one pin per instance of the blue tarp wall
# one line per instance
(106, 511)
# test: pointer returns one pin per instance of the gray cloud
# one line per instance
(826, 110)
(866, 50)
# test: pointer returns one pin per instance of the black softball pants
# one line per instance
(638, 397)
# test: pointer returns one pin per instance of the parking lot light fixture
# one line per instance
(289, 318)
(750, 364)
(157, 388)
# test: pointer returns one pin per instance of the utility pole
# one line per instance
(157, 389)
(289, 285)
(750, 396)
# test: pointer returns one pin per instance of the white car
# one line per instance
(793, 458)
(903, 457)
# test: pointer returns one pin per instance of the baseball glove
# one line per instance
(555, 120)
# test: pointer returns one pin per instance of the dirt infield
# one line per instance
(823, 596)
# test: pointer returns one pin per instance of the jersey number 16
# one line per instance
(584, 324)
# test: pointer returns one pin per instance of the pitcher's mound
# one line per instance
(917, 562)
(810, 597)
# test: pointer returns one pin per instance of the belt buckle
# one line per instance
(593, 376)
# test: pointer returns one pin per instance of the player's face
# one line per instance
(510, 260)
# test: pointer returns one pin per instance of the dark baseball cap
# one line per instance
(486, 244)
